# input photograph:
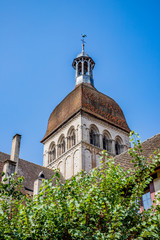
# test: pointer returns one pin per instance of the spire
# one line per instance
(83, 64)
(83, 42)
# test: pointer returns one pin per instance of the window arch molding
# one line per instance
(119, 148)
(94, 135)
(52, 152)
(71, 137)
(61, 147)
(107, 141)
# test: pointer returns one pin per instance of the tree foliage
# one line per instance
(102, 204)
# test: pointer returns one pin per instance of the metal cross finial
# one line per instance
(83, 42)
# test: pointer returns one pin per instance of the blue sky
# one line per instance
(38, 42)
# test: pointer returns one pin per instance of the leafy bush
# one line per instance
(102, 204)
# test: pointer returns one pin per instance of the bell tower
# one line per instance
(83, 64)
(84, 123)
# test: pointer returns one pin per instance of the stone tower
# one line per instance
(83, 124)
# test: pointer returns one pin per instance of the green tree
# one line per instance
(102, 204)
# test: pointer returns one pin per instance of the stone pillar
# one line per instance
(15, 148)
(101, 141)
(76, 132)
(113, 147)
(88, 138)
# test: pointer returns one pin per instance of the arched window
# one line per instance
(52, 152)
(61, 145)
(79, 68)
(107, 142)
(85, 68)
(71, 138)
(119, 148)
(94, 136)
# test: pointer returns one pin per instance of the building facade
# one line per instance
(83, 124)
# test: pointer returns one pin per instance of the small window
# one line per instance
(146, 198)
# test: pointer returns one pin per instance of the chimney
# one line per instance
(15, 148)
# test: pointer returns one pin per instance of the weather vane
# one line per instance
(83, 37)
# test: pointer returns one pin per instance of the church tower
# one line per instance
(83, 124)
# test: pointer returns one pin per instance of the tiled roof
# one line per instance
(86, 98)
(149, 146)
(28, 170)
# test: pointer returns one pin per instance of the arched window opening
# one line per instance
(119, 148)
(107, 142)
(52, 152)
(85, 68)
(94, 137)
(79, 68)
(71, 139)
(61, 145)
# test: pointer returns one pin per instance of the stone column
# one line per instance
(88, 138)
(101, 141)
(76, 135)
(113, 147)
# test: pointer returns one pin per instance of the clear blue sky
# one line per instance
(38, 41)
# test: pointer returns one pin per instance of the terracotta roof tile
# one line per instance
(149, 146)
(86, 98)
